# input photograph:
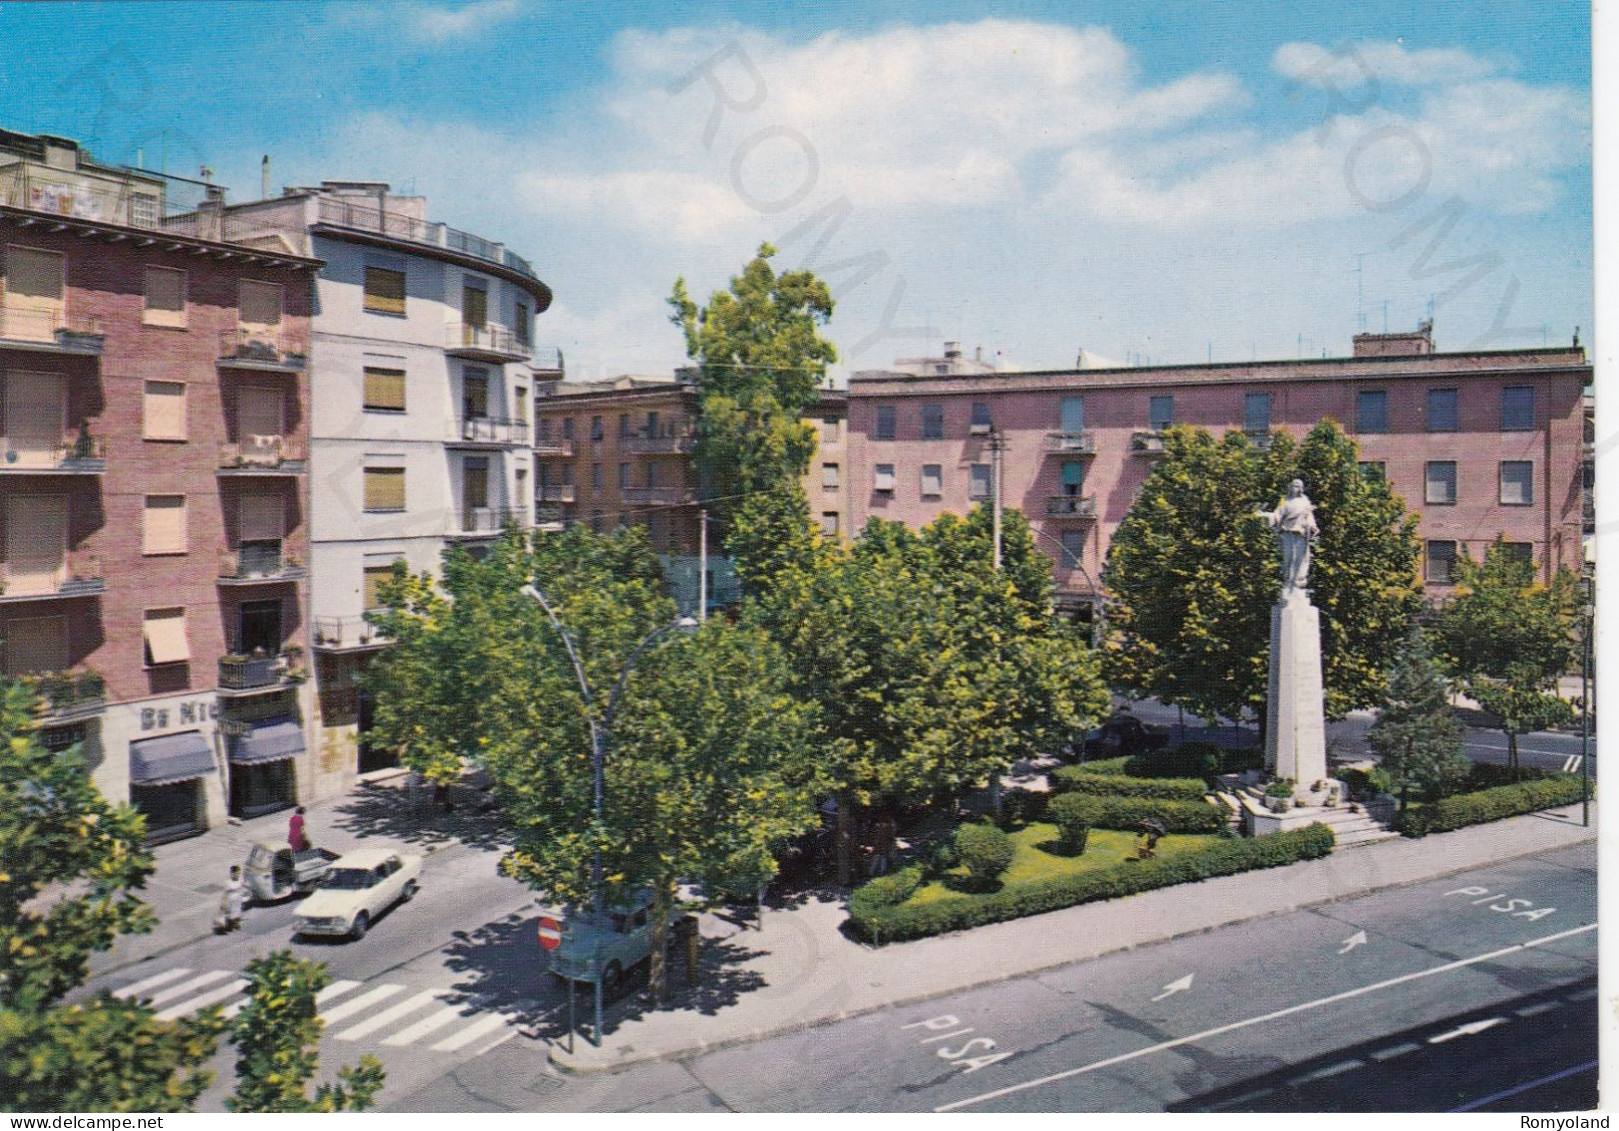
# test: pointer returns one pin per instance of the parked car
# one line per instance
(356, 890)
(609, 943)
(1123, 735)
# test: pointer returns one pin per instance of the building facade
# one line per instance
(1478, 444)
(826, 483)
(153, 487)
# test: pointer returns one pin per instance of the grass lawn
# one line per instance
(1105, 849)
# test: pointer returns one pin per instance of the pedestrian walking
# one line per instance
(296, 837)
(232, 902)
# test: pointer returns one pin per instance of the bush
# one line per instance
(1488, 775)
(1100, 766)
(886, 891)
(1071, 779)
(1071, 813)
(1364, 785)
(1222, 858)
(1503, 801)
(1202, 760)
(1020, 807)
(1128, 812)
(986, 852)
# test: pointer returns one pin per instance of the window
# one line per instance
(623, 426)
(933, 422)
(261, 518)
(1073, 414)
(1517, 483)
(1442, 404)
(143, 210)
(829, 477)
(165, 634)
(651, 430)
(1441, 482)
(982, 420)
(932, 480)
(596, 429)
(1256, 413)
(384, 290)
(1441, 562)
(1518, 408)
(1073, 477)
(543, 426)
(1523, 553)
(375, 574)
(258, 412)
(978, 481)
(883, 477)
(829, 430)
(165, 297)
(520, 319)
(36, 644)
(163, 525)
(623, 476)
(829, 523)
(651, 473)
(163, 411)
(474, 305)
(595, 477)
(1374, 470)
(474, 393)
(384, 488)
(384, 389)
(258, 306)
(259, 628)
(1372, 411)
(885, 422)
(1161, 412)
(520, 404)
(567, 474)
(1073, 548)
(567, 428)
(35, 290)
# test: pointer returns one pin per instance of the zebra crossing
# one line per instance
(352, 1010)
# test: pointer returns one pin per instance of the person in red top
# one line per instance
(295, 831)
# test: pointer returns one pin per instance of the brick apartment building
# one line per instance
(152, 486)
(1478, 444)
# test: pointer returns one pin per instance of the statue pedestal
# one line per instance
(1295, 728)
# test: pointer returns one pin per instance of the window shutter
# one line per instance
(375, 575)
(165, 631)
(36, 543)
(36, 644)
(258, 305)
(384, 488)
(262, 518)
(258, 412)
(385, 388)
(163, 526)
(384, 290)
(36, 417)
(474, 306)
(34, 280)
(165, 297)
(163, 410)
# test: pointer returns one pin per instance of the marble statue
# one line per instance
(1294, 521)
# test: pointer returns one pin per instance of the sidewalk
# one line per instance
(798, 969)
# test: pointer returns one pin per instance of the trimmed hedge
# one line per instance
(1202, 760)
(1071, 814)
(955, 913)
(985, 851)
(886, 891)
(1463, 809)
(1488, 775)
(1128, 812)
(1070, 779)
(1100, 766)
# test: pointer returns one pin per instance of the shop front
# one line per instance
(166, 780)
(263, 775)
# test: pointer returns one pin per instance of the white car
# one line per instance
(359, 888)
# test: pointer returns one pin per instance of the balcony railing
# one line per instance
(255, 349)
(49, 330)
(546, 446)
(1148, 443)
(489, 521)
(70, 695)
(79, 454)
(1071, 443)
(675, 443)
(258, 673)
(660, 496)
(1071, 506)
(262, 455)
(342, 634)
(259, 564)
(346, 214)
(77, 575)
(554, 493)
(488, 342)
(493, 430)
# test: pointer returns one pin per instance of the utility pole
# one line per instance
(995, 445)
(702, 565)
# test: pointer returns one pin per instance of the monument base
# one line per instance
(1295, 726)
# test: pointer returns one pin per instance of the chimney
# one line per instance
(264, 178)
(1397, 345)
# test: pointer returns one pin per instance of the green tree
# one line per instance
(1507, 639)
(1194, 574)
(275, 1037)
(70, 864)
(1416, 735)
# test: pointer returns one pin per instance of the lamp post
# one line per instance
(1076, 561)
(600, 733)
(1587, 627)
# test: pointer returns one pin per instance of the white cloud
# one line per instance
(1353, 65)
(436, 24)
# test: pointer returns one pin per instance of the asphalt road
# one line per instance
(1475, 992)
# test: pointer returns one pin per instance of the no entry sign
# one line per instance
(550, 933)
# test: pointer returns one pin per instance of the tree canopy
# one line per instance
(1416, 735)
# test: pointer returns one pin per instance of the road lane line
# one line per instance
(1576, 1070)
(464, 1037)
(389, 1016)
(154, 980)
(191, 985)
(191, 1005)
(337, 988)
(338, 1012)
(429, 1024)
(1272, 1016)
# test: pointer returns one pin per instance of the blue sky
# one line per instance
(1171, 181)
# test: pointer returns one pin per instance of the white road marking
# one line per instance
(464, 1037)
(336, 989)
(1261, 1019)
(388, 1016)
(1175, 987)
(1467, 1030)
(155, 980)
(1572, 765)
(191, 985)
(429, 1024)
(1354, 940)
(201, 1001)
(348, 1008)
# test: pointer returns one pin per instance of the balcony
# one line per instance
(241, 675)
(81, 454)
(545, 446)
(488, 342)
(49, 331)
(489, 522)
(394, 225)
(1147, 443)
(1080, 507)
(262, 455)
(547, 360)
(554, 493)
(660, 496)
(1071, 443)
(671, 444)
(69, 696)
(262, 352)
(257, 565)
(79, 575)
(346, 634)
(490, 432)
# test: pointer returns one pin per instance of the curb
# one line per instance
(554, 1053)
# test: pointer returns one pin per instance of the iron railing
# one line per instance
(348, 214)
(491, 520)
(262, 453)
(77, 574)
(660, 496)
(1071, 443)
(252, 563)
(493, 430)
(271, 348)
(1071, 506)
(546, 446)
(487, 340)
(52, 329)
(339, 633)
(70, 693)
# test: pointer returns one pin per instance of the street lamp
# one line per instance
(1587, 631)
(600, 733)
(1076, 561)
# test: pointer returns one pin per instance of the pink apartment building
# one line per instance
(1478, 444)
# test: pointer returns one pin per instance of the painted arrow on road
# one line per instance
(1467, 1030)
(1175, 987)
(1354, 940)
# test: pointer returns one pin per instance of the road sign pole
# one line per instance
(571, 1025)
(598, 1009)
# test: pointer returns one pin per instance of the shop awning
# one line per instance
(270, 743)
(172, 758)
